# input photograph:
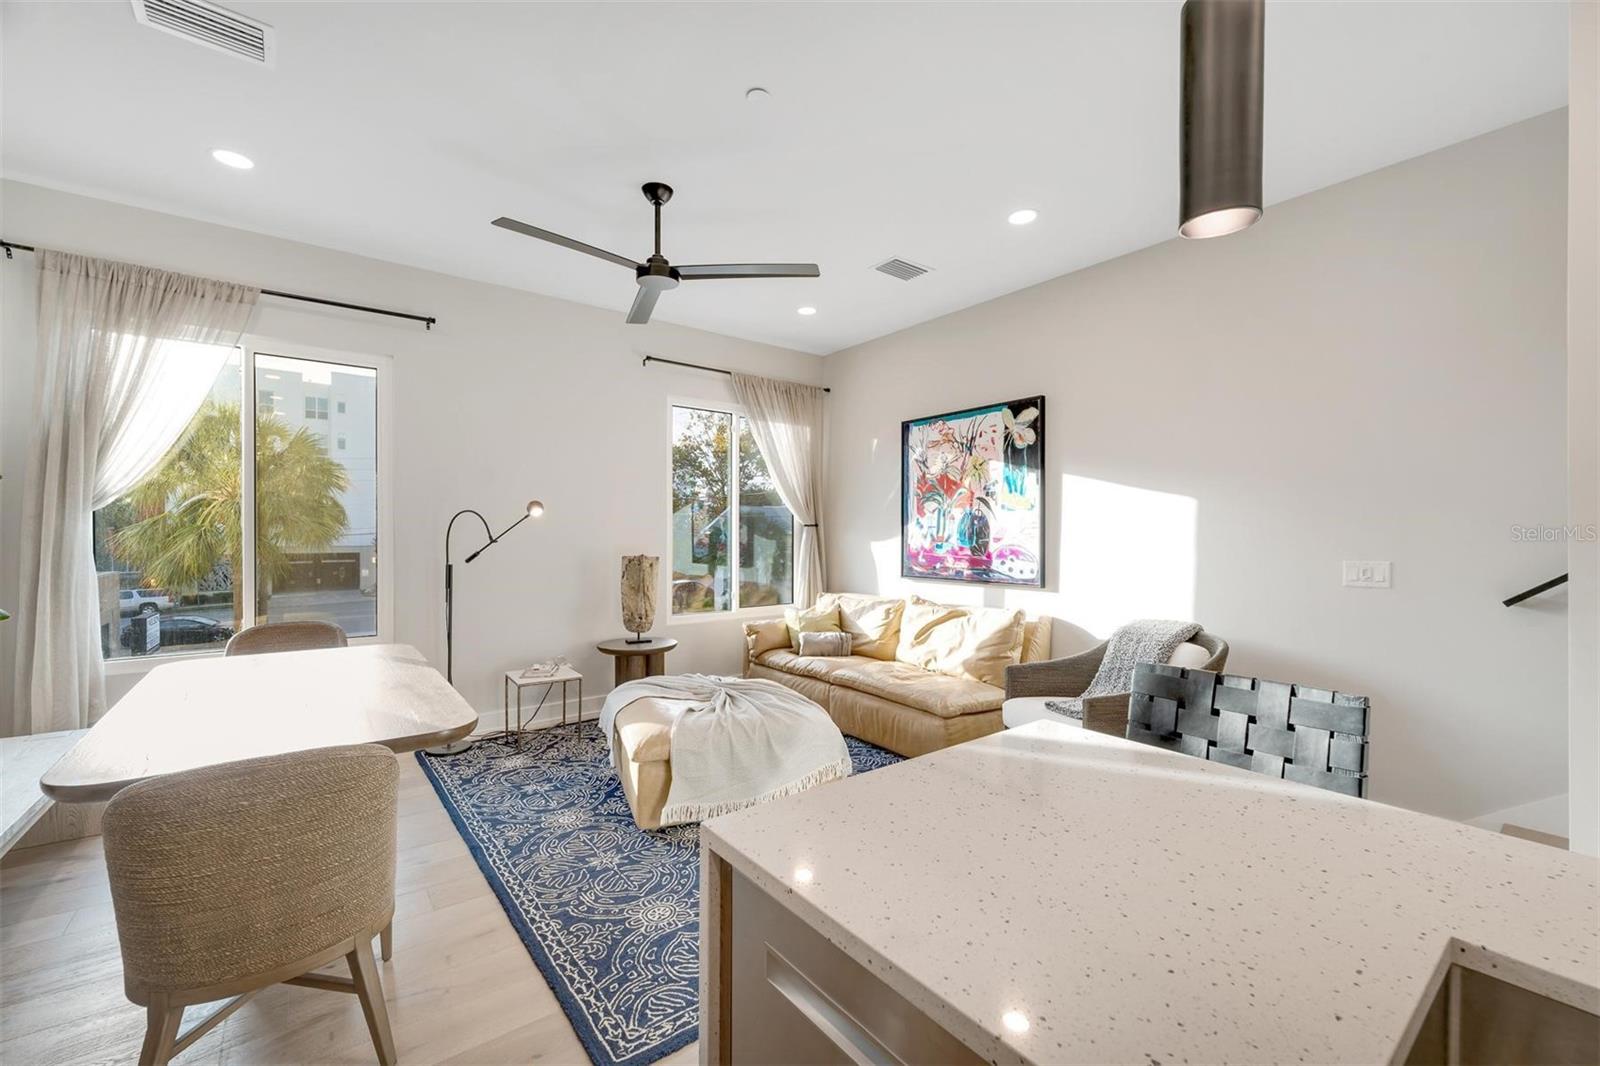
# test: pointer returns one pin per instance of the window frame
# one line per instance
(735, 533)
(249, 347)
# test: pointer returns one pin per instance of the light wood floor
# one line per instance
(461, 987)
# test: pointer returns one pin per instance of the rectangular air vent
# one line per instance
(900, 268)
(207, 24)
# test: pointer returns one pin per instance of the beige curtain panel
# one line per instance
(127, 355)
(786, 419)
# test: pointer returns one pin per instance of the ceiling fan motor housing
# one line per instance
(657, 273)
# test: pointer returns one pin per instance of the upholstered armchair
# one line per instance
(1068, 677)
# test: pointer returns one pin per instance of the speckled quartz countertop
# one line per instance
(1129, 904)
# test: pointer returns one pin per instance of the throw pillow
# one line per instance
(977, 643)
(817, 619)
(1036, 640)
(825, 644)
(762, 637)
(874, 621)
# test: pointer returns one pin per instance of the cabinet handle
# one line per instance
(830, 1019)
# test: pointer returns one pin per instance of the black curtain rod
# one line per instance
(696, 366)
(426, 320)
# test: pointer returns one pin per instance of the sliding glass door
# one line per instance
(208, 544)
(316, 492)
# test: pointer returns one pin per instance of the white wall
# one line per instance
(511, 395)
(1375, 371)
(1583, 427)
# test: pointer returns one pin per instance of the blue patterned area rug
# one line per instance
(609, 912)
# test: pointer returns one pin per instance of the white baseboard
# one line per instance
(493, 721)
(1548, 815)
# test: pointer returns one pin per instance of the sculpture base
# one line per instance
(638, 638)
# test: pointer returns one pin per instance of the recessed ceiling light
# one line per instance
(803, 874)
(1015, 1020)
(805, 310)
(1022, 217)
(757, 95)
(232, 159)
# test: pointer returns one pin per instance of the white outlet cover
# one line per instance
(1366, 574)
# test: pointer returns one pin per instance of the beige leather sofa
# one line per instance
(911, 691)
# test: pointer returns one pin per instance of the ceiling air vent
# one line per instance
(900, 268)
(207, 24)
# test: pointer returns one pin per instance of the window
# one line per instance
(732, 537)
(341, 407)
(208, 544)
(317, 515)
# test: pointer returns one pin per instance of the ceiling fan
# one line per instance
(655, 275)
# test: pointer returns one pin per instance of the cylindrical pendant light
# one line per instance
(1220, 124)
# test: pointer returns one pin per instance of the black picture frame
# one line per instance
(1016, 563)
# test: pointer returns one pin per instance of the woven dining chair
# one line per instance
(1314, 736)
(286, 636)
(232, 878)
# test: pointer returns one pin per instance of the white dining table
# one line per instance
(185, 715)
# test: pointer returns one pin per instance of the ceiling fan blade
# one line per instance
(748, 270)
(565, 242)
(643, 304)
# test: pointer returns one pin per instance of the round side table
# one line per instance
(634, 661)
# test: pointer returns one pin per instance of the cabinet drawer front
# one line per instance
(798, 999)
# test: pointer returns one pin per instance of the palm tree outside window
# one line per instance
(307, 549)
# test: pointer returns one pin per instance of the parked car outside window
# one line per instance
(143, 601)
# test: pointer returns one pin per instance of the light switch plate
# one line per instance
(1366, 574)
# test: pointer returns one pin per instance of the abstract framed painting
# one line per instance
(972, 495)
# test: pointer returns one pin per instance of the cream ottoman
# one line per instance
(641, 748)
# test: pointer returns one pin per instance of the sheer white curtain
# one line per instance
(126, 356)
(786, 419)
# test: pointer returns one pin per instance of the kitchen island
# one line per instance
(1051, 895)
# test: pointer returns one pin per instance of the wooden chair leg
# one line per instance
(364, 972)
(161, 1032)
(386, 941)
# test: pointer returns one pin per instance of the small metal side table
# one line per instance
(563, 677)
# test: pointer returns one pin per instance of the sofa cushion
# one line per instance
(873, 622)
(903, 730)
(762, 637)
(644, 728)
(1189, 654)
(1036, 640)
(814, 689)
(938, 694)
(976, 643)
(818, 619)
(1024, 709)
(823, 668)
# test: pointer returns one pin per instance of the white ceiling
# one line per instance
(398, 130)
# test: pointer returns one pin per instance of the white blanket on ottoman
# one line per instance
(739, 742)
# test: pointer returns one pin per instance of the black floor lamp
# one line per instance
(533, 510)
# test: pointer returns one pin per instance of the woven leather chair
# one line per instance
(233, 878)
(286, 636)
(1311, 735)
(1069, 676)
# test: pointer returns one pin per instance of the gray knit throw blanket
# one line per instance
(1146, 640)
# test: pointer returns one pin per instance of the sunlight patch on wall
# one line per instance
(1125, 553)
